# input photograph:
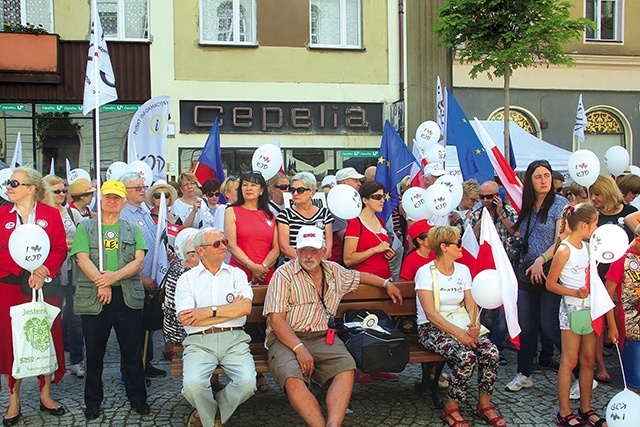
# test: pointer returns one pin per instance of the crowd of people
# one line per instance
(244, 232)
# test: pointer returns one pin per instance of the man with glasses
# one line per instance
(137, 212)
(303, 294)
(212, 301)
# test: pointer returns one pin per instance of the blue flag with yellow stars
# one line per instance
(473, 159)
(394, 163)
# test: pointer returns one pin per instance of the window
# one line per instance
(228, 22)
(607, 14)
(21, 12)
(606, 127)
(124, 19)
(335, 24)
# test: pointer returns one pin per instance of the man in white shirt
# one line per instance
(213, 300)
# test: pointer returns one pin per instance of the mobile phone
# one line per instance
(331, 336)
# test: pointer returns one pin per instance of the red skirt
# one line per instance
(11, 295)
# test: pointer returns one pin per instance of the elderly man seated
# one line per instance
(303, 295)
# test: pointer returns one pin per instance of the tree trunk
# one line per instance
(507, 110)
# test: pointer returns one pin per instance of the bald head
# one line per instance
(370, 173)
(488, 190)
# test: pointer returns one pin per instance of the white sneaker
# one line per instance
(574, 393)
(77, 370)
(519, 382)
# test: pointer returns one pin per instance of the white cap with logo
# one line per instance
(309, 236)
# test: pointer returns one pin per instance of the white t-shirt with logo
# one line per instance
(451, 287)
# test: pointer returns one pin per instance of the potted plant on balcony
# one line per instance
(28, 48)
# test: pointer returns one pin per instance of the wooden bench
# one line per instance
(366, 297)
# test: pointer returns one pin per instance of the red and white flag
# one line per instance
(599, 298)
(470, 250)
(417, 174)
(493, 255)
(505, 172)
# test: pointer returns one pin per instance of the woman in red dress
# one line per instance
(28, 192)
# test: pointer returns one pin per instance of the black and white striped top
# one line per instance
(295, 221)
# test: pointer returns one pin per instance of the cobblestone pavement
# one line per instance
(379, 404)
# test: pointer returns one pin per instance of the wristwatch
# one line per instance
(214, 311)
(386, 282)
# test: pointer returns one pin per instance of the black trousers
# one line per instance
(129, 329)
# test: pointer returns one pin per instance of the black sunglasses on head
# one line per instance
(14, 183)
(299, 190)
(158, 195)
(64, 191)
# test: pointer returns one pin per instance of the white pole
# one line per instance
(96, 76)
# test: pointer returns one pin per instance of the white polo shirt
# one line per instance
(198, 287)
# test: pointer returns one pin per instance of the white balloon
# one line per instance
(616, 159)
(584, 167)
(428, 133)
(116, 170)
(29, 246)
(454, 186)
(634, 170)
(608, 243)
(78, 173)
(5, 175)
(344, 201)
(623, 410)
(438, 200)
(143, 169)
(436, 154)
(181, 237)
(267, 159)
(485, 289)
(414, 203)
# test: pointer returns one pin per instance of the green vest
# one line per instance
(85, 299)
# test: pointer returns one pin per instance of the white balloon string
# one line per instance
(478, 318)
(624, 379)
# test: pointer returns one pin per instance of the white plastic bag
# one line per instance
(33, 350)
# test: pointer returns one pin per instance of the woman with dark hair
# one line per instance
(254, 245)
(538, 225)
(211, 190)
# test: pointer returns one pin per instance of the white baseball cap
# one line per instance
(309, 236)
(347, 173)
(329, 180)
(434, 169)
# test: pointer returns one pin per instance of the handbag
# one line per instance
(579, 320)
(374, 350)
(524, 279)
(33, 350)
(459, 317)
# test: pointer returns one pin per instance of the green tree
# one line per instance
(500, 36)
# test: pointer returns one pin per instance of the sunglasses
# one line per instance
(65, 191)
(488, 196)
(458, 243)
(376, 196)
(299, 190)
(158, 195)
(282, 187)
(217, 243)
(14, 183)
(213, 194)
(138, 188)
(558, 189)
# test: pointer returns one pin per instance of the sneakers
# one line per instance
(519, 382)
(364, 378)
(152, 372)
(385, 376)
(574, 393)
(77, 370)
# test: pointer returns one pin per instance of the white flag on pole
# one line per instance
(16, 160)
(160, 258)
(105, 84)
(68, 169)
(581, 121)
(52, 168)
(148, 136)
(440, 107)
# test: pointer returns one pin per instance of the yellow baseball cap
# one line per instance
(113, 186)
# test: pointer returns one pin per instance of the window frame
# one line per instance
(49, 26)
(120, 32)
(235, 26)
(343, 29)
(618, 22)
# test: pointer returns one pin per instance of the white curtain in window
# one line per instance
(10, 12)
(353, 23)
(246, 21)
(108, 12)
(135, 22)
(219, 20)
(328, 21)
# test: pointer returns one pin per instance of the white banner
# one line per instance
(148, 136)
(318, 199)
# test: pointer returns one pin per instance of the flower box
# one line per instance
(28, 52)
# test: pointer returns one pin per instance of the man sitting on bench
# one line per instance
(302, 295)
(213, 300)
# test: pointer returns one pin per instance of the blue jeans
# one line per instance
(496, 322)
(631, 363)
(536, 310)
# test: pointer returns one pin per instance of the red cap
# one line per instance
(418, 228)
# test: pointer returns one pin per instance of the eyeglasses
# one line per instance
(213, 194)
(138, 187)
(309, 250)
(488, 196)
(569, 193)
(158, 195)
(458, 243)
(282, 187)
(64, 191)
(376, 196)
(217, 243)
(299, 190)
(14, 183)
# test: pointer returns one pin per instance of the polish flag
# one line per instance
(417, 174)
(599, 298)
(505, 172)
(492, 255)
(281, 160)
(470, 250)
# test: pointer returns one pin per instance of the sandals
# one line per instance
(496, 421)
(603, 376)
(585, 418)
(261, 384)
(566, 421)
(447, 417)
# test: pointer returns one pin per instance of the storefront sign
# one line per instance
(12, 107)
(120, 108)
(358, 153)
(61, 108)
(282, 117)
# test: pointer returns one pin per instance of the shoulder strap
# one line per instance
(436, 287)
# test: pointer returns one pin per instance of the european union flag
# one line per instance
(473, 159)
(394, 163)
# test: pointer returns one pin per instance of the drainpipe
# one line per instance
(401, 49)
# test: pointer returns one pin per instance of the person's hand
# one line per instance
(93, 215)
(394, 293)
(105, 279)
(497, 202)
(258, 270)
(613, 334)
(42, 272)
(36, 281)
(454, 218)
(192, 316)
(389, 253)
(466, 339)
(583, 292)
(473, 330)
(536, 271)
(382, 247)
(104, 295)
(305, 359)
(148, 283)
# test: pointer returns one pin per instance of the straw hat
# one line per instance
(161, 185)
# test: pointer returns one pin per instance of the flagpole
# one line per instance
(96, 76)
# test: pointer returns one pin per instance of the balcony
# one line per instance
(29, 58)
